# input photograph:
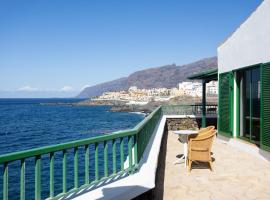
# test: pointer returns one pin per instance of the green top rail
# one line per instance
(69, 145)
(63, 146)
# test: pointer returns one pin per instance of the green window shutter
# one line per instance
(265, 106)
(225, 104)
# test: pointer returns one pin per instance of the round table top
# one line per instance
(185, 132)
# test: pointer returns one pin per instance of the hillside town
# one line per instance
(135, 95)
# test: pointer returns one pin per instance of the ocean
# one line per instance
(30, 123)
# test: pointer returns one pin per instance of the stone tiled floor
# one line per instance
(236, 175)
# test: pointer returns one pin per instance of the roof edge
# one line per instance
(209, 74)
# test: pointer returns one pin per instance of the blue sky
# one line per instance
(54, 48)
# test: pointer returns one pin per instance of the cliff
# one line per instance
(167, 76)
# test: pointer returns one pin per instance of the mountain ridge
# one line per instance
(167, 76)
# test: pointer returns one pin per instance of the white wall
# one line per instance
(249, 44)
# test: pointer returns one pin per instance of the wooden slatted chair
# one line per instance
(202, 131)
(199, 148)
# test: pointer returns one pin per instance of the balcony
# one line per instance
(141, 164)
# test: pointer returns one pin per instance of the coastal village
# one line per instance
(136, 95)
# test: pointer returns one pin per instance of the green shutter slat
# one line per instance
(265, 106)
(224, 104)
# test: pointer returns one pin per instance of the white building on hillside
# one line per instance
(212, 88)
(190, 88)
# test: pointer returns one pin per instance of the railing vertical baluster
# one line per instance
(86, 165)
(38, 177)
(144, 136)
(151, 129)
(76, 177)
(5, 182)
(105, 159)
(96, 162)
(135, 149)
(52, 174)
(114, 155)
(22, 180)
(130, 153)
(122, 153)
(64, 183)
(139, 144)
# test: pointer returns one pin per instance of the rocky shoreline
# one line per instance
(125, 106)
(120, 106)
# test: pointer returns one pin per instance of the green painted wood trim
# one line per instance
(135, 149)
(77, 143)
(5, 182)
(86, 164)
(114, 155)
(226, 127)
(265, 108)
(237, 105)
(22, 180)
(130, 152)
(203, 103)
(51, 174)
(76, 168)
(247, 67)
(232, 103)
(250, 108)
(261, 110)
(37, 178)
(205, 75)
(96, 162)
(59, 147)
(141, 125)
(218, 114)
(105, 159)
(122, 153)
(64, 171)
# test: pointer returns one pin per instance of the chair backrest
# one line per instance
(202, 131)
(208, 128)
(203, 141)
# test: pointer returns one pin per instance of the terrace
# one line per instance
(240, 172)
(142, 164)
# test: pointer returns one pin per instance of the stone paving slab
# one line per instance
(236, 175)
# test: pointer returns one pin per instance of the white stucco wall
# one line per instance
(249, 44)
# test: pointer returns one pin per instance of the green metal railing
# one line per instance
(211, 109)
(137, 140)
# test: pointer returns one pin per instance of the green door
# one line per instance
(250, 104)
(225, 106)
(265, 106)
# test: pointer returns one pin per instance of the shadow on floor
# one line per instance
(157, 192)
(160, 174)
(201, 165)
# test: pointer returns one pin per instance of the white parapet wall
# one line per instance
(135, 184)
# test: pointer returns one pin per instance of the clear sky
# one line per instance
(56, 47)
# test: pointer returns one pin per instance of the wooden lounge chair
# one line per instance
(199, 148)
